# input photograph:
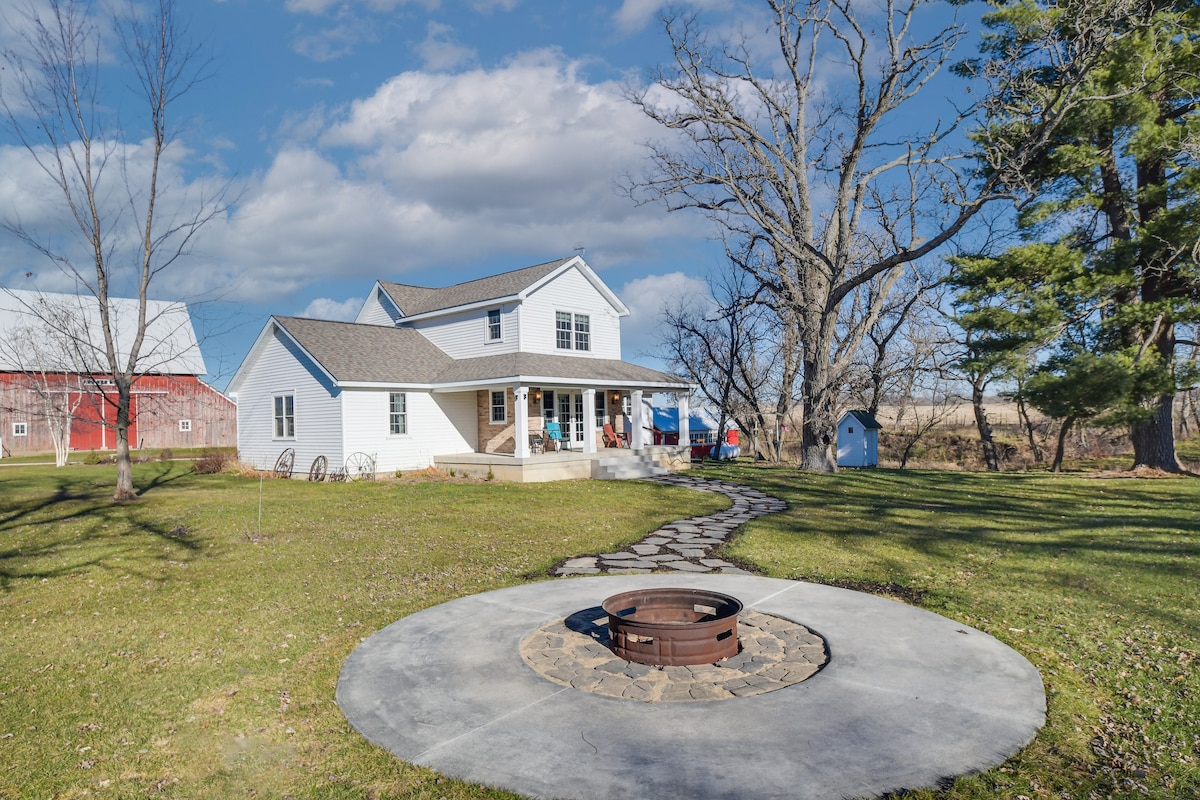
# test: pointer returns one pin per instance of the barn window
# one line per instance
(397, 413)
(20, 429)
(185, 425)
(849, 429)
(285, 416)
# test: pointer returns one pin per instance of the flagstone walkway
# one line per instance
(684, 546)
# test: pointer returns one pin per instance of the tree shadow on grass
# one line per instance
(1050, 535)
(76, 526)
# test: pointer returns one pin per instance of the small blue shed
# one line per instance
(858, 440)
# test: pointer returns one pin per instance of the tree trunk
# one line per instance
(124, 462)
(985, 429)
(818, 428)
(1030, 433)
(1061, 447)
(1154, 440)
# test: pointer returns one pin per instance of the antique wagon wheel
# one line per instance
(360, 466)
(317, 471)
(337, 475)
(283, 464)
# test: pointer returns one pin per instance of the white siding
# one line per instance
(375, 312)
(574, 293)
(438, 424)
(279, 369)
(464, 335)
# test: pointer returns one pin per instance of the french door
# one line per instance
(570, 415)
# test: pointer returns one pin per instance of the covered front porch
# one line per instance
(600, 464)
(526, 419)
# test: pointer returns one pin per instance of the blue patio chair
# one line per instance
(556, 435)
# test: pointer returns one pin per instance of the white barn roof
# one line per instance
(169, 347)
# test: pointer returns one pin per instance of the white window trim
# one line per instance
(578, 334)
(573, 333)
(283, 437)
(185, 425)
(20, 429)
(570, 331)
(492, 407)
(402, 414)
(487, 326)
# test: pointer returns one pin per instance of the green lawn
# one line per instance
(1095, 580)
(175, 646)
(180, 647)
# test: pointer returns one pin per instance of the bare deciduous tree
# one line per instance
(731, 346)
(43, 352)
(814, 158)
(106, 170)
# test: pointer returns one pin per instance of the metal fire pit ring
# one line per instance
(673, 627)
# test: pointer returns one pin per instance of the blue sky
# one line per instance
(418, 141)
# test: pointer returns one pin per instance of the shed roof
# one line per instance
(865, 419)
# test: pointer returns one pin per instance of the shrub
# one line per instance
(91, 458)
(211, 462)
(166, 454)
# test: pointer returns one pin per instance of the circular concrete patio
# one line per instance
(908, 699)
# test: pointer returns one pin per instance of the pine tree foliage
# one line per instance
(1110, 208)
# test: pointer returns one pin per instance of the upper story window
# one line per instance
(493, 325)
(499, 407)
(562, 330)
(583, 332)
(185, 425)
(397, 413)
(285, 416)
(572, 331)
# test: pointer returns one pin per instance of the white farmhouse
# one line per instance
(475, 377)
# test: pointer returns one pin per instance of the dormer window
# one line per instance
(493, 325)
(572, 331)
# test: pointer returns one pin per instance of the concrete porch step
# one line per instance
(627, 468)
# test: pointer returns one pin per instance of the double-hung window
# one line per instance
(499, 407)
(493, 325)
(562, 330)
(583, 332)
(572, 331)
(397, 413)
(285, 416)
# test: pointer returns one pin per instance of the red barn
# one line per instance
(51, 357)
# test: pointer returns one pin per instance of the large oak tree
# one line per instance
(813, 156)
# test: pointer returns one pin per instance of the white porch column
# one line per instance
(589, 420)
(521, 421)
(638, 412)
(685, 424)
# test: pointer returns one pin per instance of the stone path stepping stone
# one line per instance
(684, 545)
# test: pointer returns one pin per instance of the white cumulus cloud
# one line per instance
(646, 298)
(520, 161)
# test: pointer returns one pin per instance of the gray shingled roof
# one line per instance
(368, 353)
(356, 353)
(420, 299)
(559, 368)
